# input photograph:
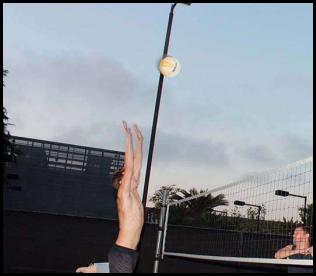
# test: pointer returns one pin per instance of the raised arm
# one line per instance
(138, 157)
(128, 159)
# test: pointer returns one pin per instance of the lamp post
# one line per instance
(242, 203)
(156, 112)
(286, 193)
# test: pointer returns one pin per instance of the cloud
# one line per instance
(82, 100)
(280, 151)
(291, 81)
(295, 147)
(170, 148)
(64, 92)
(205, 152)
(259, 154)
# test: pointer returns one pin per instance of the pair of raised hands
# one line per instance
(128, 132)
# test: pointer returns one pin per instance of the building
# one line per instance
(59, 178)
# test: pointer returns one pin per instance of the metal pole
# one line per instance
(156, 112)
(160, 231)
(305, 210)
(305, 207)
(258, 218)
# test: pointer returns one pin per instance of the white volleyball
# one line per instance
(169, 66)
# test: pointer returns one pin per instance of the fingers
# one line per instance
(87, 269)
(126, 128)
(81, 270)
(124, 125)
(138, 132)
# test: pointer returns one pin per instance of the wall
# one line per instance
(35, 242)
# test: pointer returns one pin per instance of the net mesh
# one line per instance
(254, 217)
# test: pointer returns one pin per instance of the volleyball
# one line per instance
(169, 66)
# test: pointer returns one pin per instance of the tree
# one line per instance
(197, 210)
(192, 211)
(202, 203)
(309, 214)
(252, 213)
(6, 135)
(157, 197)
(289, 225)
(10, 153)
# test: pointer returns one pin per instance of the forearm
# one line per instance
(128, 157)
(138, 159)
(284, 253)
(125, 185)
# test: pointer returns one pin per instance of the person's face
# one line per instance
(299, 236)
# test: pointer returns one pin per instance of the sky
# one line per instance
(242, 102)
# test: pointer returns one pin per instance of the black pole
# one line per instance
(160, 230)
(305, 210)
(155, 120)
(258, 218)
(305, 207)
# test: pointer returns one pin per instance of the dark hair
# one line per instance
(306, 229)
(117, 177)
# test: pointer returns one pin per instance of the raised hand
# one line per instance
(309, 251)
(126, 129)
(138, 133)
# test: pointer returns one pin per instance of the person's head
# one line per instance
(117, 177)
(302, 235)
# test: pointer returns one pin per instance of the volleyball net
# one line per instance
(249, 220)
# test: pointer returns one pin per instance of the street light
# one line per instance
(242, 203)
(155, 119)
(286, 193)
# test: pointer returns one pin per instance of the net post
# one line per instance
(160, 231)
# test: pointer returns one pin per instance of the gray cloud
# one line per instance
(291, 81)
(62, 93)
(171, 147)
(283, 150)
(82, 100)
(259, 154)
(295, 147)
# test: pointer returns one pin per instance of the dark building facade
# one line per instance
(59, 178)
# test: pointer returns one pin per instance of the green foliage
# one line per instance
(10, 152)
(309, 214)
(196, 211)
(157, 197)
